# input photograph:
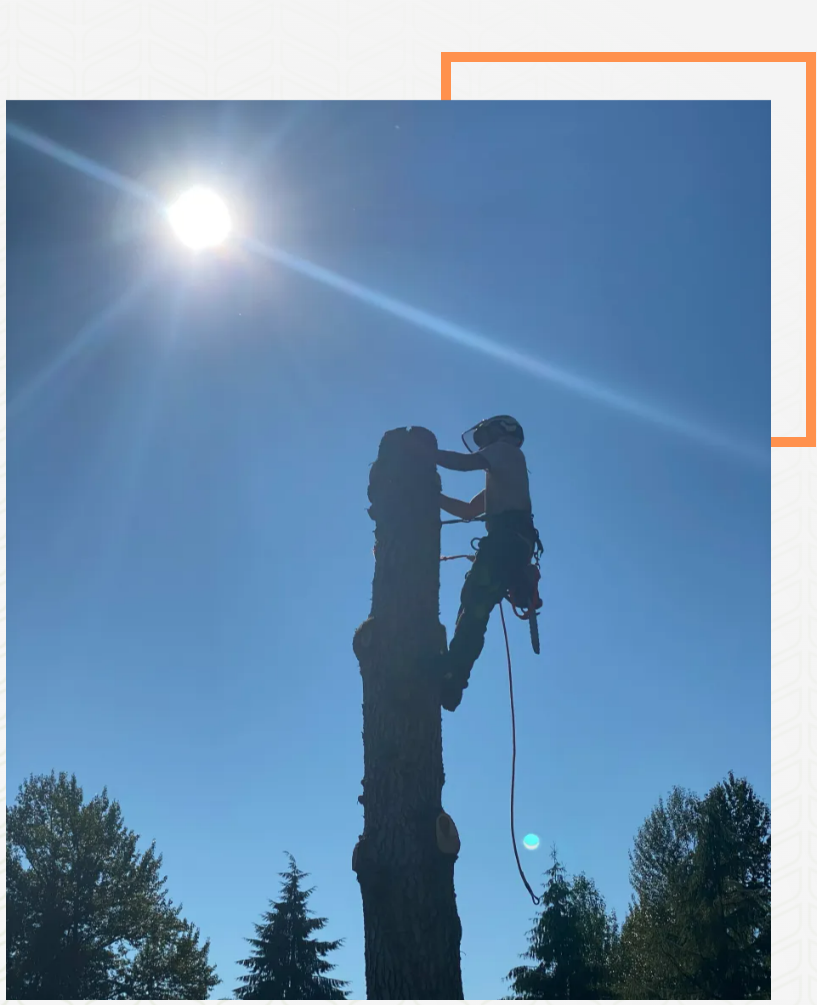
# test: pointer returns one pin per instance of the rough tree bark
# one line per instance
(405, 857)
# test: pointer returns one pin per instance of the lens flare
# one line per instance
(208, 223)
(531, 842)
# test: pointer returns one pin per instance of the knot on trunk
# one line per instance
(448, 839)
(363, 864)
(362, 641)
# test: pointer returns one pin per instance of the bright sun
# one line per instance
(200, 218)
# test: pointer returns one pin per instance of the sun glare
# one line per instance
(200, 219)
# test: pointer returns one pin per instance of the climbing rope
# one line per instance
(536, 900)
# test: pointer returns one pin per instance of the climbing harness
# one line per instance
(535, 603)
(523, 596)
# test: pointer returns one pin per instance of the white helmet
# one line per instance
(490, 430)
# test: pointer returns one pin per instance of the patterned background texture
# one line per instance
(372, 49)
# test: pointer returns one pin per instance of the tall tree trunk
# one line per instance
(405, 857)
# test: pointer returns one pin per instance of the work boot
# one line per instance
(451, 689)
(450, 693)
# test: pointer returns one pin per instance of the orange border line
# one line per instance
(448, 58)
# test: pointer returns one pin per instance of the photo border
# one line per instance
(447, 59)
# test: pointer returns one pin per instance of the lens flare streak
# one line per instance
(522, 361)
(87, 338)
(513, 357)
(79, 163)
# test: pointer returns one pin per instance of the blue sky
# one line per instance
(190, 551)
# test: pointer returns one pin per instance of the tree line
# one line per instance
(698, 925)
(89, 916)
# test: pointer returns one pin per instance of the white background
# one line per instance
(379, 49)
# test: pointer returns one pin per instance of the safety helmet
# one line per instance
(490, 430)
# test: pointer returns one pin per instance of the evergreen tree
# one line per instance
(732, 874)
(286, 962)
(699, 926)
(88, 916)
(572, 943)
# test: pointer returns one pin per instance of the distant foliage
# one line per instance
(572, 943)
(87, 915)
(286, 961)
(699, 926)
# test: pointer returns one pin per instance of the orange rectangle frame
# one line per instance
(449, 58)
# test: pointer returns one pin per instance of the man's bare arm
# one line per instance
(460, 462)
(464, 510)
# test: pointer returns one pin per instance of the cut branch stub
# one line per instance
(448, 838)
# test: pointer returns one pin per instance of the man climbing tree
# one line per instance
(504, 555)
(286, 962)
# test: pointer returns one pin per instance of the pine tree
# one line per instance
(732, 871)
(699, 926)
(286, 962)
(572, 943)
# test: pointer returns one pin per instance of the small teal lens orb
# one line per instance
(531, 842)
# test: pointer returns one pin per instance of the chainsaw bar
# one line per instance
(534, 631)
